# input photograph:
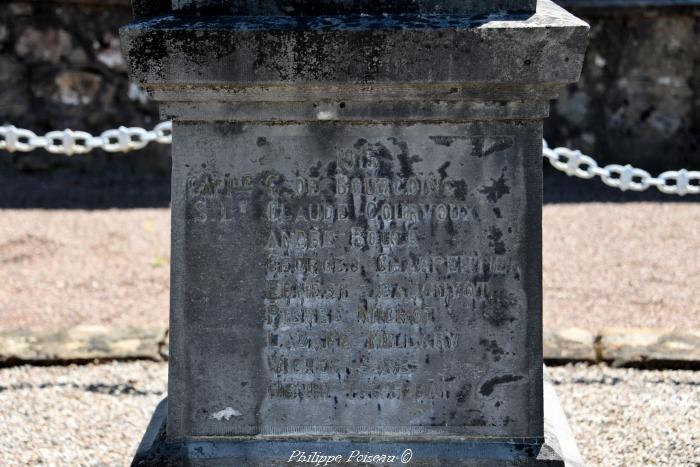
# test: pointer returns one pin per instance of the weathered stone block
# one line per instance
(47, 45)
(246, 53)
(340, 7)
(79, 344)
(625, 346)
(569, 344)
(357, 230)
(380, 272)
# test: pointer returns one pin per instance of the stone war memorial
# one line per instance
(356, 229)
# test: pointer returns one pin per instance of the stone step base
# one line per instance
(85, 344)
(558, 450)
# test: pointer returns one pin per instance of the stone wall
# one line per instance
(61, 67)
(637, 101)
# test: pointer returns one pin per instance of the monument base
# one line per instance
(558, 450)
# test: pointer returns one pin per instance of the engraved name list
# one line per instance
(379, 265)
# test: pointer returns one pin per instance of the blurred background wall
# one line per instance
(61, 67)
(637, 101)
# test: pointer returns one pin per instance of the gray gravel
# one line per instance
(95, 415)
(79, 415)
(627, 417)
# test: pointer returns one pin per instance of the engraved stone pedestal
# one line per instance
(356, 235)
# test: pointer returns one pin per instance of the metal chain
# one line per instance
(71, 142)
(571, 162)
(625, 177)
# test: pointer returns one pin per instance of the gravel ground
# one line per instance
(63, 268)
(627, 417)
(605, 264)
(629, 265)
(96, 414)
(78, 415)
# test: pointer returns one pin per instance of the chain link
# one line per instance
(624, 177)
(123, 139)
(69, 142)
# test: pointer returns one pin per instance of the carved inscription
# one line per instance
(384, 266)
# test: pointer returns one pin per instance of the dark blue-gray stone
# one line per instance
(356, 243)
